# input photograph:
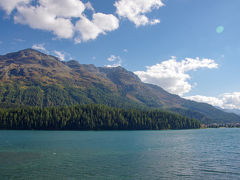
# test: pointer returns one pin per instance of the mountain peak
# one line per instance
(29, 56)
(25, 52)
(29, 50)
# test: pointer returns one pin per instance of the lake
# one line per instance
(183, 154)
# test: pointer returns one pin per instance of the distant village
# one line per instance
(224, 125)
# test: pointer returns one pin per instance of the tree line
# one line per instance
(91, 117)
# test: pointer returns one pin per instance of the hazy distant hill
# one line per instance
(29, 77)
(235, 111)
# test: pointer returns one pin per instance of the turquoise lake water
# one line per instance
(184, 154)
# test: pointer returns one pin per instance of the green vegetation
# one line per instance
(91, 117)
(31, 78)
(54, 95)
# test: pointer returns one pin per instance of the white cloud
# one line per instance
(172, 75)
(100, 24)
(206, 99)
(225, 101)
(87, 29)
(155, 21)
(10, 5)
(39, 47)
(64, 18)
(106, 22)
(231, 100)
(116, 60)
(89, 6)
(63, 8)
(60, 55)
(41, 18)
(125, 50)
(113, 65)
(135, 10)
(112, 58)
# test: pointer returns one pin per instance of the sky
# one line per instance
(188, 47)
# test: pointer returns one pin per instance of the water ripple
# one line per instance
(127, 155)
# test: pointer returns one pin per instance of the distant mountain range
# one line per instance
(235, 111)
(31, 78)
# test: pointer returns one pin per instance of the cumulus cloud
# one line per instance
(106, 22)
(231, 100)
(87, 29)
(41, 18)
(89, 6)
(172, 75)
(206, 99)
(39, 47)
(60, 55)
(63, 8)
(10, 5)
(64, 18)
(116, 60)
(67, 19)
(100, 24)
(135, 10)
(225, 101)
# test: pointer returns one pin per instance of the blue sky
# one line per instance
(194, 50)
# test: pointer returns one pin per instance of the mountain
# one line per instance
(235, 111)
(31, 78)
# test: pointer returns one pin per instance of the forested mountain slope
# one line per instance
(31, 78)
